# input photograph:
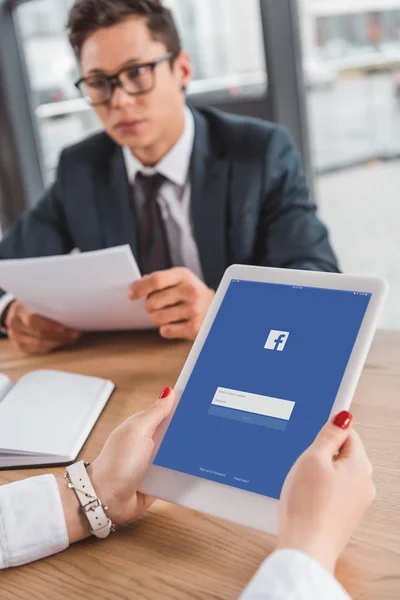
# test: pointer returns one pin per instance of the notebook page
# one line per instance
(47, 411)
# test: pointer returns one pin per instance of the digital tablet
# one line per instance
(278, 354)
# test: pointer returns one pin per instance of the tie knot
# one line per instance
(150, 184)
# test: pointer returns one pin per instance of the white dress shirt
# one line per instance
(292, 575)
(4, 302)
(32, 526)
(174, 197)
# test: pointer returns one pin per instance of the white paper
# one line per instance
(86, 291)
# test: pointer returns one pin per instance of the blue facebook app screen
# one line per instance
(264, 383)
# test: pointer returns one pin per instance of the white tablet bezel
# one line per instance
(238, 505)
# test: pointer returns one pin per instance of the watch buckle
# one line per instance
(92, 505)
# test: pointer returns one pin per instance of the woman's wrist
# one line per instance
(104, 492)
(78, 526)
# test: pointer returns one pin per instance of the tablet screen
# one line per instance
(264, 383)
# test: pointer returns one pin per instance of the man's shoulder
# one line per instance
(244, 134)
(91, 150)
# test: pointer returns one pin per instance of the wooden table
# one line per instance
(174, 553)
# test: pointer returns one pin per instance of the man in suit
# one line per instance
(192, 192)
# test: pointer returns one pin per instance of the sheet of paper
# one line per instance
(87, 291)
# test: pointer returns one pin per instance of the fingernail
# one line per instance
(165, 393)
(343, 419)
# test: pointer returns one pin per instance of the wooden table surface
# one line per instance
(174, 553)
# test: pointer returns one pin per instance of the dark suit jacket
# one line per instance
(250, 202)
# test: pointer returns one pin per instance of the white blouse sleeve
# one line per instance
(289, 574)
(32, 526)
(32, 523)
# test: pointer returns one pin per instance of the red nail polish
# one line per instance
(343, 419)
(165, 393)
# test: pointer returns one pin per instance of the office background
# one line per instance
(327, 69)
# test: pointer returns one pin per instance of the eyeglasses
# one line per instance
(133, 79)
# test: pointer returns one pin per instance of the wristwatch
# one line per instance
(78, 479)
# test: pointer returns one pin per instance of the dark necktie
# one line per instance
(154, 247)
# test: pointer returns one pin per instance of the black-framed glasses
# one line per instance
(133, 79)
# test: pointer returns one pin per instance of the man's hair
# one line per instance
(88, 16)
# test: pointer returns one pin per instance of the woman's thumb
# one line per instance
(153, 416)
(334, 434)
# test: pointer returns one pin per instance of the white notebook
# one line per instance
(47, 416)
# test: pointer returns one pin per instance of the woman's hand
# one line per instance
(326, 494)
(118, 471)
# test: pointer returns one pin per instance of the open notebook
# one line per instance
(47, 416)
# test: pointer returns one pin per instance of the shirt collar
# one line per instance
(174, 165)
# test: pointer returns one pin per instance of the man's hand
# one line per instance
(34, 334)
(177, 301)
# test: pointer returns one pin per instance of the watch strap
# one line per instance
(78, 480)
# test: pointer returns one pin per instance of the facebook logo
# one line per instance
(276, 340)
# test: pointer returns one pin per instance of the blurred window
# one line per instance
(352, 72)
(223, 38)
